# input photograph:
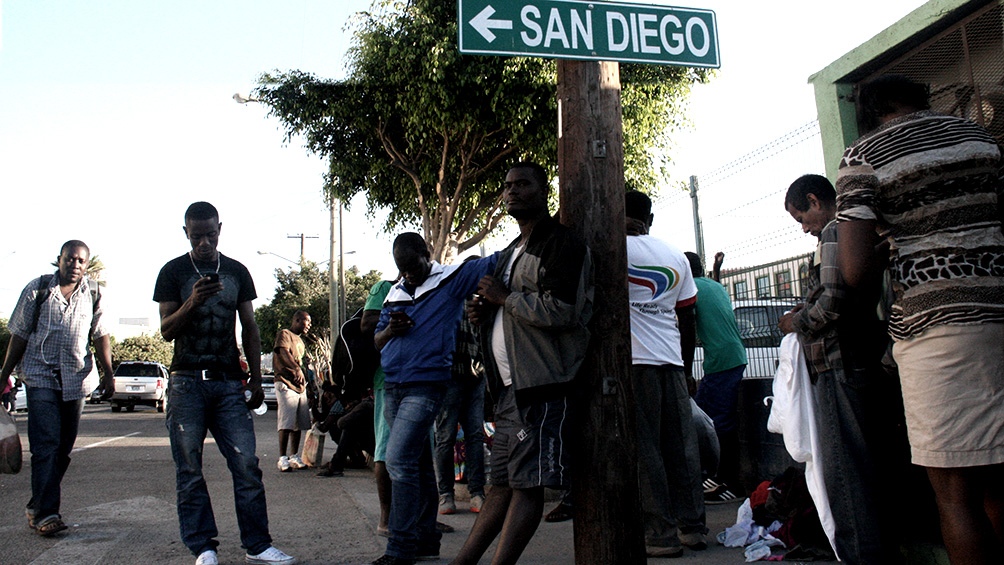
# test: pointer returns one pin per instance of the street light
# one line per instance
(279, 256)
(241, 99)
(295, 262)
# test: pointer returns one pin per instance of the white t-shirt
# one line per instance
(659, 281)
(498, 333)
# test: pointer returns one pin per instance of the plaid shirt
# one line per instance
(816, 323)
(839, 327)
(57, 355)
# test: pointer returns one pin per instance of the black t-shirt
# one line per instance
(209, 340)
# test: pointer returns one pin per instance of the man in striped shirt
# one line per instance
(928, 185)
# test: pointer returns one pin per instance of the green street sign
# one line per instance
(594, 31)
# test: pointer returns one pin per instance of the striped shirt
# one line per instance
(59, 346)
(933, 182)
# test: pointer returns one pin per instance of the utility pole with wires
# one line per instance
(302, 239)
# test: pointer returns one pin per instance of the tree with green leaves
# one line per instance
(143, 348)
(428, 133)
(307, 288)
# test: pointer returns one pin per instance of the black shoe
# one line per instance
(391, 560)
(561, 513)
(430, 553)
(720, 495)
(329, 472)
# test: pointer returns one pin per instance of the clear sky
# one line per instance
(115, 115)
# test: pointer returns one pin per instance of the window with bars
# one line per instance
(740, 290)
(763, 286)
(783, 286)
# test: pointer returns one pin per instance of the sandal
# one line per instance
(50, 526)
(30, 515)
(561, 513)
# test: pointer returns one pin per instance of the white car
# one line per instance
(140, 382)
(757, 321)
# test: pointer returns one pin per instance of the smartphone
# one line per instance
(401, 316)
(213, 277)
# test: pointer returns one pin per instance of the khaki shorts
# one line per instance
(293, 408)
(953, 394)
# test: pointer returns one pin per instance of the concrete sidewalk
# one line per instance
(553, 544)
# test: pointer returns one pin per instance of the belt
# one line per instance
(209, 375)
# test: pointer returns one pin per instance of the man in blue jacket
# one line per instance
(416, 336)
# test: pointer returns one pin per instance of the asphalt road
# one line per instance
(119, 500)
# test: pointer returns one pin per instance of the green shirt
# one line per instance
(375, 302)
(716, 327)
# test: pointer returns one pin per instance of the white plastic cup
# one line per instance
(260, 409)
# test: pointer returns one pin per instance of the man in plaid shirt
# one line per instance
(55, 321)
(844, 342)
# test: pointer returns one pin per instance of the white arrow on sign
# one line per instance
(484, 24)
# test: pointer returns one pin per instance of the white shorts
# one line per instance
(293, 408)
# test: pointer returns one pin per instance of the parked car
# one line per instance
(757, 321)
(95, 396)
(140, 382)
(268, 387)
(20, 398)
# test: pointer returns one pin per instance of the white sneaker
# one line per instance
(284, 464)
(270, 556)
(447, 504)
(296, 463)
(207, 557)
(477, 502)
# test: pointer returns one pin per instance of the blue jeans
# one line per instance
(52, 430)
(464, 403)
(718, 396)
(411, 410)
(217, 406)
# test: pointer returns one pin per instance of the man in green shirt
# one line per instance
(724, 365)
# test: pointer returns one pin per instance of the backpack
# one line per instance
(41, 297)
(354, 359)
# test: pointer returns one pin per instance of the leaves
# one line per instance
(307, 288)
(428, 133)
(143, 348)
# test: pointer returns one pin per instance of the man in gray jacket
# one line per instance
(533, 312)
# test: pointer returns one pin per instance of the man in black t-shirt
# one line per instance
(201, 294)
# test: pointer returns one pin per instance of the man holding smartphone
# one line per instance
(201, 295)
(416, 336)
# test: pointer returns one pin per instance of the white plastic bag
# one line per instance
(10, 445)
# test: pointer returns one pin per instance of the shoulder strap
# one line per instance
(40, 298)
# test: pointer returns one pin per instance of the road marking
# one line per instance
(109, 440)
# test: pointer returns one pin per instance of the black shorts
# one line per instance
(530, 447)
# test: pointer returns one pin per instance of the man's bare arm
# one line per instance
(251, 340)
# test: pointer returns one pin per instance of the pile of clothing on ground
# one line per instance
(779, 522)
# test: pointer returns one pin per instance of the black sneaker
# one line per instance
(391, 560)
(720, 495)
(430, 553)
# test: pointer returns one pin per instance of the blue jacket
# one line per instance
(425, 354)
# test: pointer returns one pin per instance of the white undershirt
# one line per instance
(498, 333)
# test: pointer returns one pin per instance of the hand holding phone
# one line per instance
(213, 277)
(400, 321)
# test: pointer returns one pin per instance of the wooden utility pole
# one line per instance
(608, 526)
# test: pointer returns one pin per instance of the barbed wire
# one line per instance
(761, 154)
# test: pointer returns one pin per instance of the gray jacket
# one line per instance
(545, 317)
